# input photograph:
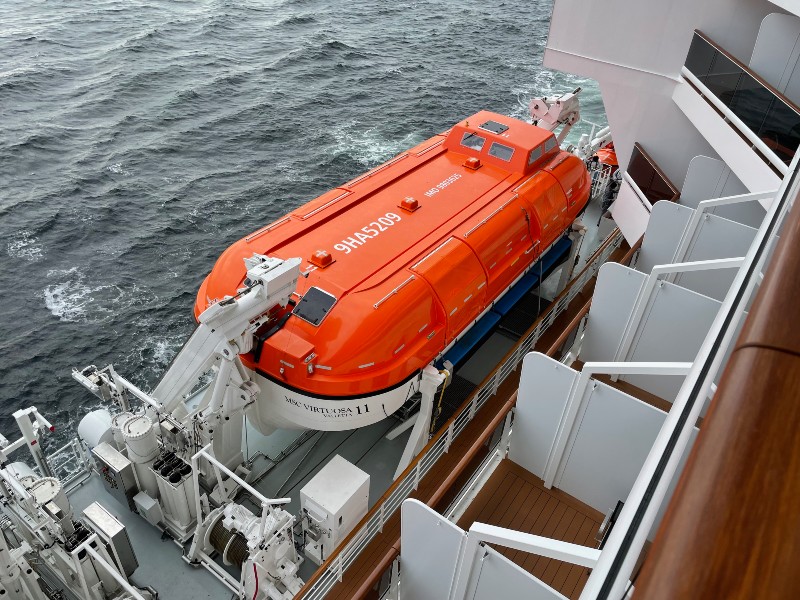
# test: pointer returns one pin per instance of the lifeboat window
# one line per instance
(472, 140)
(536, 154)
(314, 305)
(500, 151)
(494, 127)
(550, 144)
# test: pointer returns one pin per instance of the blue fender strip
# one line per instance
(484, 327)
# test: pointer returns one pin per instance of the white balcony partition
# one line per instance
(777, 53)
(716, 237)
(606, 444)
(431, 549)
(544, 387)
(441, 560)
(673, 325)
(611, 442)
(631, 211)
(500, 578)
(711, 178)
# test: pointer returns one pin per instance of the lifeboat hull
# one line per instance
(282, 407)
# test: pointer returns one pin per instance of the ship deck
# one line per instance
(160, 563)
(514, 498)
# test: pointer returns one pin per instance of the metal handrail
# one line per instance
(344, 556)
(70, 463)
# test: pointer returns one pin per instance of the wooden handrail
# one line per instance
(748, 70)
(731, 529)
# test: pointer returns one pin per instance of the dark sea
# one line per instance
(138, 139)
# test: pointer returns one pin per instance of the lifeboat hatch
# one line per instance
(314, 305)
(494, 127)
(409, 204)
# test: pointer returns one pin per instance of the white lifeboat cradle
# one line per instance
(176, 458)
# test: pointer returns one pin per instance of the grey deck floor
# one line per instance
(160, 562)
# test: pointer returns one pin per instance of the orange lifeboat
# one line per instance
(607, 155)
(399, 264)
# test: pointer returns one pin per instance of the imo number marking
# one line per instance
(374, 229)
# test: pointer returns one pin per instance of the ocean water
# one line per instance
(138, 139)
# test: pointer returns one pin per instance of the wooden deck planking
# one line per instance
(527, 524)
(556, 571)
(516, 499)
(575, 573)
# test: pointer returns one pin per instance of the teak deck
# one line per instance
(516, 499)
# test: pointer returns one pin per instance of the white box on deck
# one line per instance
(335, 499)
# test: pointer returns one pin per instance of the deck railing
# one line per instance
(70, 463)
(332, 570)
(772, 119)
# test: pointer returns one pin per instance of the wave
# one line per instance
(33, 78)
(18, 72)
(74, 297)
(117, 169)
(25, 246)
(148, 357)
(297, 20)
(370, 146)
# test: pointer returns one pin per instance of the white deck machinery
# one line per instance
(564, 111)
(553, 112)
(46, 551)
(176, 458)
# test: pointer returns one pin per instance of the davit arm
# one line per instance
(224, 332)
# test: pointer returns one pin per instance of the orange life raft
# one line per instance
(404, 259)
